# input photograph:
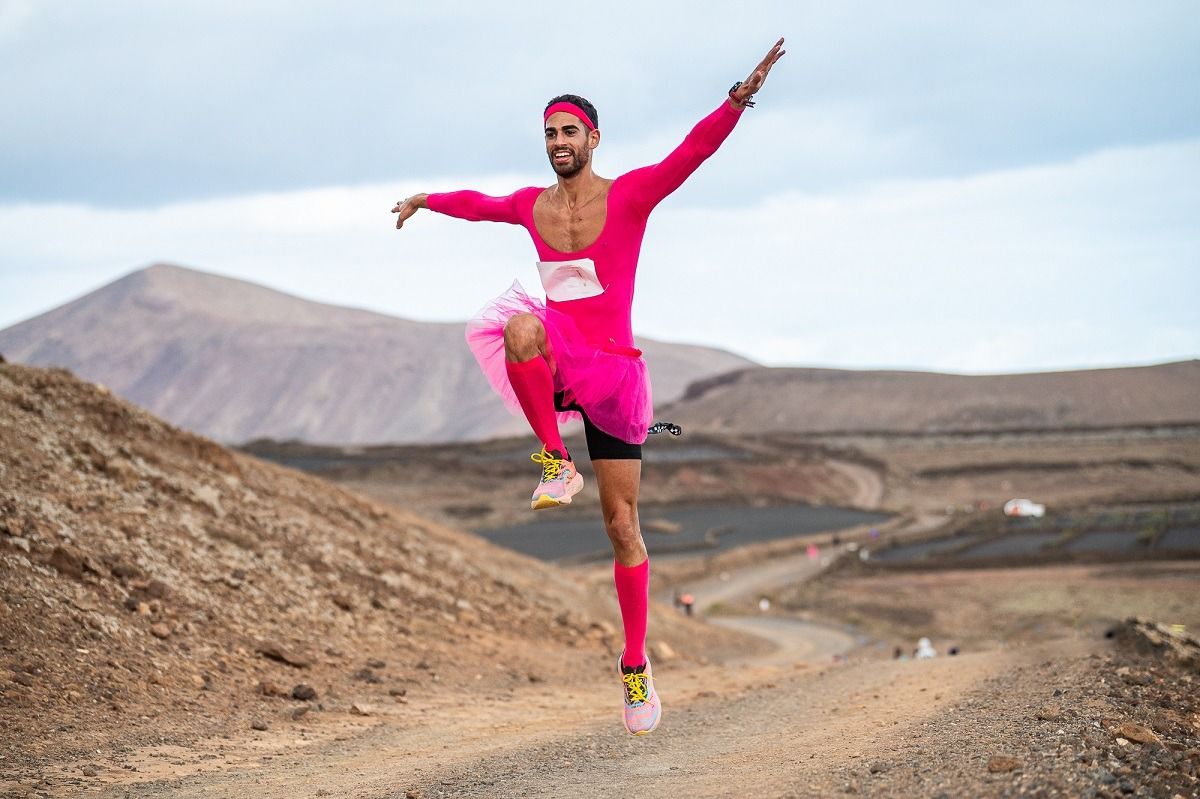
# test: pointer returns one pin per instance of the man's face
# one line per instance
(569, 143)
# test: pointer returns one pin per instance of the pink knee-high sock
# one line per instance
(534, 387)
(633, 595)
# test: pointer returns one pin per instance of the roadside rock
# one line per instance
(69, 561)
(303, 692)
(276, 651)
(367, 676)
(999, 764)
(1150, 638)
(1136, 732)
(156, 589)
(268, 688)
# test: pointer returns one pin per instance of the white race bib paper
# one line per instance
(569, 280)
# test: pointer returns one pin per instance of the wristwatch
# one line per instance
(748, 102)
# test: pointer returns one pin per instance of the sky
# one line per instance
(953, 186)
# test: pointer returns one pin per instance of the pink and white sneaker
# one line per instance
(560, 480)
(642, 708)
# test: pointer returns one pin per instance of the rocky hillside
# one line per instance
(236, 361)
(149, 573)
(834, 400)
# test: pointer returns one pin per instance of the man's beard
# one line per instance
(572, 167)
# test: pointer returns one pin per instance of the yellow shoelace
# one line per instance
(635, 687)
(552, 468)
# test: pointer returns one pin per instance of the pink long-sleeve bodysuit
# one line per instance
(602, 322)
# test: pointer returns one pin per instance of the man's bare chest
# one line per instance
(571, 229)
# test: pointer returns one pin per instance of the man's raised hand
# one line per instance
(408, 207)
(759, 76)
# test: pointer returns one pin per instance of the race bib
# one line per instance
(569, 280)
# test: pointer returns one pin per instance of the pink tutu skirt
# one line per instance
(610, 383)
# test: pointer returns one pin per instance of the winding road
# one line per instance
(796, 640)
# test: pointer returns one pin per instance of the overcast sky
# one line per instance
(954, 186)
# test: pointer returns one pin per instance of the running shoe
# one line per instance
(642, 708)
(560, 480)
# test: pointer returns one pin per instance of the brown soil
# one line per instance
(156, 588)
(1045, 720)
(153, 584)
(987, 608)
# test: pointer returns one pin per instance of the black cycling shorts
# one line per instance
(601, 446)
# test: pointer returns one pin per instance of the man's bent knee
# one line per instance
(523, 337)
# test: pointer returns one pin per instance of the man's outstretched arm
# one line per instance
(653, 183)
(470, 205)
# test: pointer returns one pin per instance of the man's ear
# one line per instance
(593, 139)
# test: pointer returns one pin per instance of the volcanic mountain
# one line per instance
(836, 400)
(237, 361)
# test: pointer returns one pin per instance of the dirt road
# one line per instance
(728, 587)
(726, 731)
(796, 641)
(778, 734)
(790, 723)
(776, 725)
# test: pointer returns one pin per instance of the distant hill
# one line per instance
(237, 361)
(832, 400)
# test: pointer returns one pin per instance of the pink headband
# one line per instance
(570, 108)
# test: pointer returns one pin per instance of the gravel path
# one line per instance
(1050, 720)
(811, 734)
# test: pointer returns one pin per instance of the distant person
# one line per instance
(925, 650)
(688, 601)
(574, 354)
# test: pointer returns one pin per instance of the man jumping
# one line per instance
(573, 356)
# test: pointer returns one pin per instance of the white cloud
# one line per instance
(1092, 261)
(135, 103)
(14, 14)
